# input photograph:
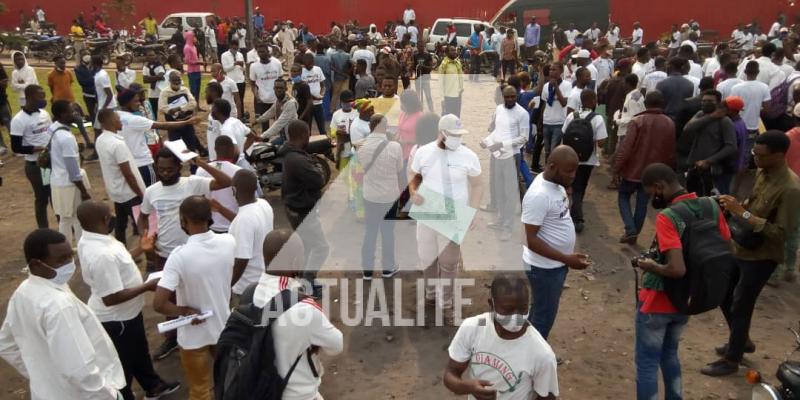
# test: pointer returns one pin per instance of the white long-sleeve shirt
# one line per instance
(21, 78)
(233, 71)
(510, 127)
(55, 340)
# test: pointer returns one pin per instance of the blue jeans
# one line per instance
(546, 287)
(633, 222)
(318, 114)
(657, 340)
(723, 182)
(552, 137)
(375, 222)
(524, 169)
(194, 84)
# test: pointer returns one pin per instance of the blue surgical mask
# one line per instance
(63, 274)
(297, 79)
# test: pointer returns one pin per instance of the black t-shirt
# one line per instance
(302, 93)
(423, 63)
(3, 94)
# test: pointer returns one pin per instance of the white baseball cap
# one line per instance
(452, 124)
(582, 53)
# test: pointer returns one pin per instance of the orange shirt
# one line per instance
(60, 84)
(793, 155)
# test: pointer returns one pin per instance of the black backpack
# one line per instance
(708, 257)
(244, 367)
(580, 136)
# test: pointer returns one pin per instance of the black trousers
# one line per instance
(123, 211)
(579, 190)
(538, 146)
(130, 341)
(747, 280)
(242, 87)
(154, 104)
(41, 192)
(261, 108)
(91, 107)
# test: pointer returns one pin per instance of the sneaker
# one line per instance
(749, 347)
(91, 157)
(578, 227)
(720, 368)
(628, 239)
(164, 389)
(168, 347)
(367, 275)
(390, 273)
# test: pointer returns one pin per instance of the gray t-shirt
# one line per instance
(364, 84)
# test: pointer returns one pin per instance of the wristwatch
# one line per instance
(746, 215)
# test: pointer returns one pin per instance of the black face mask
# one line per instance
(708, 108)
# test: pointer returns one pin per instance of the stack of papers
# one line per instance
(182, 321)
(178, 147)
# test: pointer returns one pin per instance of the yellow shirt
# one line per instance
(76, 31)
(452, 77)
(388, 107)
(149, 26)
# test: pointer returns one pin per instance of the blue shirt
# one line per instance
(532, 33)
(258, 22)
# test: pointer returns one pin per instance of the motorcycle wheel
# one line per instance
(322, 166)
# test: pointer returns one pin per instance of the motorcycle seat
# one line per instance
(789, 375)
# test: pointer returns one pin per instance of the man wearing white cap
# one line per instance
(445, 168)
(583, 58)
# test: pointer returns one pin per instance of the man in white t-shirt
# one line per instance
(102, 86)
(303, 331)
(66, 182)
(589, 102)
(409, 15)
(123, 182)
(637, 37)
(240, 133)
(550, 236)
(117, 296)
(400, 30)
(582, 79)
(725, 86)
(507, 358)
(768, 72)
(223, 202)
(362, 53)
(554, 99)
(230, 91)
(652, 79)
(198, 273)
(448, 169)
(233, 64)
(262, 78)
(508, 132)
(153, 74)
(124, 75)
(252, 223)
(756, 96)
(314, 77)
(164, 198)
(413, 31)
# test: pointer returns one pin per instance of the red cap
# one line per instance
(734, 103)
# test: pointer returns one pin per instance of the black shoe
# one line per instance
(628, 239)
(390, 273)
(91, 157)
(536, 169)
(578, 227)
(367, 275)
(749, 347)
(166, 348)
(720, 368)
(164, 389)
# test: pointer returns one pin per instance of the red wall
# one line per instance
(656, 16)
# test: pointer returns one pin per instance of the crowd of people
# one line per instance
(683, 131)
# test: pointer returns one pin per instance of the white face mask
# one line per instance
(63, 273)
(86, 59)
(512, 323)
(452, 142)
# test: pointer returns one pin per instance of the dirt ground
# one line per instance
(593, 332)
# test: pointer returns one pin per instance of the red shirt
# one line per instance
(793, 154)
(656, 301)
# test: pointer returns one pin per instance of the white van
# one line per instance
(464, 29)
(184, 21)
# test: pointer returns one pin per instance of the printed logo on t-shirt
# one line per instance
(492, 364)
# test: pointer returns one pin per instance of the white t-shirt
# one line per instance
(637, 36)
(675, 41)
(252, 224)
(62, 146)
(236, 130)
(613, 36)
(252, 56)
(212, 133)
(112, 151)
(101, 82)
(232, 70)
(343, 118)
(571, 34)
(555, 114)
(574, 99)
(200, 273)
(223, 196)
(754, 94)
(125, 78)
(154, 93)
(165, 201)
(516, 368)
(134, 130)
(264, 75)
(229, 89)
(301, 326)
(108, 268)
(414, 32)
(652, 79)
(400, 31)
(546, 205)
(727, 85)
(366, 55)
(34, 129)
(600, 133)
(314, 78)
(359, 130)
(690, 43)
(446, 172)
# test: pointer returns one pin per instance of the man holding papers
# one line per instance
(449, 173)
(118, 297)
(199, 274)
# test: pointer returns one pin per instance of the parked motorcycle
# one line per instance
(136, 50)
(269, 165)
(788, 376)
(103, 47)
(47, 47)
